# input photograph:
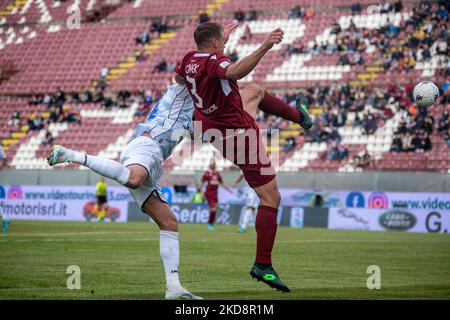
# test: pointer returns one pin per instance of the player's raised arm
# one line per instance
(246, 65)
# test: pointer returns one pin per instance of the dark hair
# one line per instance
(207, 31)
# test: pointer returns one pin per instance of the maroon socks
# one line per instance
(275, 106)
(266, 229)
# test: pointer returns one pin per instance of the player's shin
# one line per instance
(275, 106)
(266, 229)
(170, 254)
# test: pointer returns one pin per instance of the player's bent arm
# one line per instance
(179, 79)
(246, 65)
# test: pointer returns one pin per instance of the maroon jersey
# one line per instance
(212, 179)
(218, 105)
(215, 97)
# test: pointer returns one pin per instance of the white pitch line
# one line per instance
(109, 240)
(71, 233)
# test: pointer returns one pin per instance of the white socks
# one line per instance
(103, 166)
(169, 250)
(247, 216)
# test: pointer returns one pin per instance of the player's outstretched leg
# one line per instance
(254, 97)
(266, 229)
(103, 166)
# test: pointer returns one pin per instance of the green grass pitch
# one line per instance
(121, 261)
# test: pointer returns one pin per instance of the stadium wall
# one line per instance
(370, 181)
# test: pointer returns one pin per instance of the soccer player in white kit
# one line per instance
(5, 222)
(251, 204)
(140, 168)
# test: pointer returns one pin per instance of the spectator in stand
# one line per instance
(141, 55)
(407, 142)
(447, 138)
(416, 142)
(71, 115)
(35, 100)
(369, 124)
(239, 15)
(362, 161)
(426, 142)
(335, 28)
(289, 145)
(159, 26)
(204, 17)
(337, 152)
(295, 12)
(356, 8)
(48, 138)
(385, 7)
(309, 14)
(445, 89)
(397, 143)
(343, 60)
(103, 72)
(444, 122)
(161, 66)
(143, 38)
(252, 14)
(442, 13)
(398, 6)
(34, 122)
(54, 115)
(15, 119)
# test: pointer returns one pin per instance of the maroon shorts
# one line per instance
(211, 199)
(244, 147)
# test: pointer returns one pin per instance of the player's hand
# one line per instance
(275, 37)
(228, 30)
(234, 185)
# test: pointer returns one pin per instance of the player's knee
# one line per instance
(256, 90)
(135, 181)
(169, 224)
(271, 199)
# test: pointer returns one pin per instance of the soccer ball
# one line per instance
(425, 93)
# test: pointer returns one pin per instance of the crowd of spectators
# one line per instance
(157, 26)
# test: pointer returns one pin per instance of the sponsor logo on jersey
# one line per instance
(209, 110)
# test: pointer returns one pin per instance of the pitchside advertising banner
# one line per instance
(348, 209)
(67, 203)
(353, 199)
(416, 220)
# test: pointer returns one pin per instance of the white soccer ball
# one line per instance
(425, 93)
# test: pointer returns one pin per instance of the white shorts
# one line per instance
(145, 152)
(252, 199)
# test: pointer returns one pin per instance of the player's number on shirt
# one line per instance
(199, 103)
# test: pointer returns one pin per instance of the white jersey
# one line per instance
(169, 119)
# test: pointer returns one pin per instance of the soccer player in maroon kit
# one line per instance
(212, 179)
(212, 82)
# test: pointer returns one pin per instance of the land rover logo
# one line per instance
(397, 220)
